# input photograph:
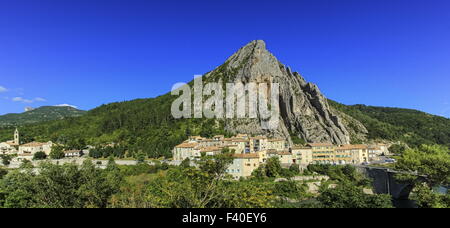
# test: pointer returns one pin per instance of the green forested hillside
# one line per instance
(42, 114)
(146, 125)
(395, 124)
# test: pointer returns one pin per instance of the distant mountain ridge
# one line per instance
(41, 114)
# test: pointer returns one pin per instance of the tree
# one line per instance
(192, 187)
(57, 152)
(347, 195)
(95, 153)
(186, 163)
(260, 173)
(429, 167)
(39, 156)
(432, 162)
(397, 149)
(6, 159)
(141, 157)
(289, 190)
(59, 186)
(111, 166)
(3, 173)
(26, 164)
(273, 167)
(426, 198)
(295, 169)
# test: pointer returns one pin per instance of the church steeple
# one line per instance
(16, 137)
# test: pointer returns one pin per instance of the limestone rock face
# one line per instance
(304, 110)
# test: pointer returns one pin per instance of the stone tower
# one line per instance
(16, 137)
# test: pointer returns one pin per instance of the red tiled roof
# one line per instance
(187, 145)
(246, 156)
(33, 144)
(320, 144)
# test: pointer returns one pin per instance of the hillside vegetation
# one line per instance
(146, 126)
(42, 114)
(395, 124)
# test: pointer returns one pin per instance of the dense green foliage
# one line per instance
(351, 196)
(145, 126)
(5, 159)
(105, 152)
(67, 186)
(427, 167)
(272, 169)
(140, 126)
(161, 186)
(57, 152)
(207, 186)
(344, 174)
(3, 172)
(349, 189)
(39, 156)
(42, 114)
(397, 149)
(395, 124)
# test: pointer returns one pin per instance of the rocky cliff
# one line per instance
(304, 110)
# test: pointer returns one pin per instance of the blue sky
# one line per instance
(86, 53)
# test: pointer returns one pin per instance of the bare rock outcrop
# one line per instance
(304, 110)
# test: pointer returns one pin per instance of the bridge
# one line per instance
(384, 182)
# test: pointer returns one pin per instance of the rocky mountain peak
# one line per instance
(305, 111)
(254, 60)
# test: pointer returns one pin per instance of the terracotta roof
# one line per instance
(246, 156)
(10, 143)
(320, 144)
(351, 147)
(374, 148)
(301, 148)
(187, 145)
(33, 144)
(238, 140)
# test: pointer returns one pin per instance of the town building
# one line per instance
(73, 153)
(250, 152)
(286, 158)
(276, 144)
(374, 152)
(322, 153)
(22, 157)
(243, 165)
(302, 155)
(7, 148)
(186, 150)
(34, 147)
(10, 147)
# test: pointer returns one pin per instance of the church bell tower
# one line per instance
(16, 137)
